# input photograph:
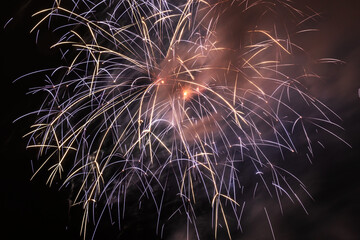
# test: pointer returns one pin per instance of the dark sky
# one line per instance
(35, 211)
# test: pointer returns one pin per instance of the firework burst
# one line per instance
(191, 101)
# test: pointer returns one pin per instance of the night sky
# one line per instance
(33, 210)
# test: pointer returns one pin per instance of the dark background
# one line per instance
(33, 210)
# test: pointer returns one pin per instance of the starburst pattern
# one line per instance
(183, 100)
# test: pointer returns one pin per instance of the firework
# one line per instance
(175, 103)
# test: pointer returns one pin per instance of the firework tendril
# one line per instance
(175, 103)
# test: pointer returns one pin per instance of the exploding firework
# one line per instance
(176, 103)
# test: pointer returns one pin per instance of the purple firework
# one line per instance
(176, 103)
